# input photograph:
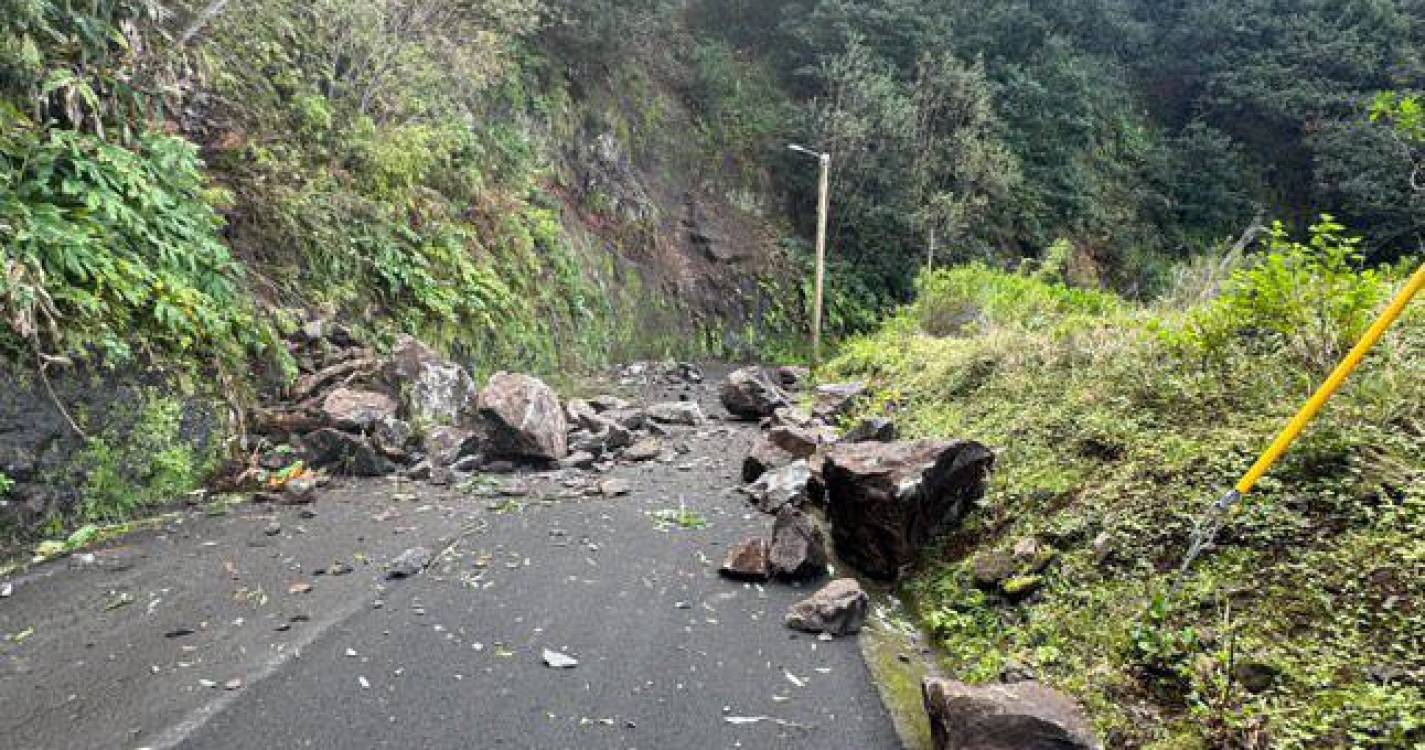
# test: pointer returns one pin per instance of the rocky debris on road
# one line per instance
(752, 393)
(839, 608)
(801, 442)
(749, 560)
(409, 563)
(446, 445)
(677, 413)
(798, 550)
(523, 418)
(607, 403)
(344, 453)
(1018, 716)
(667, 372)
(874, 430)
(646, 449)
(834, 401)
(762, 458)
(885, 500)
(781, 487)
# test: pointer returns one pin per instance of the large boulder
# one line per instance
(1017, 716)
(523, 418)
(798, 548)
(351, 409)
(434, 390)
(781, 487)
(344, 453)
(839, 608)
(885, 500)
(752, 393)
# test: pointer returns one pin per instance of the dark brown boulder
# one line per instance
(524, 418)
(801, 442)
(885, 500)
(798, 547)
(1018, 716)
(752, 393)
(839, 608)
(748, 561)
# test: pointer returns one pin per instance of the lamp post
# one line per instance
(823, 207)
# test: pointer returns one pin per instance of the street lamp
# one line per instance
(822, 209)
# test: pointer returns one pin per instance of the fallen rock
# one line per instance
(614, 488)
(790, 416)
(839, 608)
(781, 487)
(434, 391)
(877, 430)
(524, 418)
(989, 570)
(629, 419)
(392, 437)
(446, 445)
(299, 490)
(748, 561)
(350, 409)
(344, 453)
(1018, 716)
(677, 412)
(409, 563)
(798, 549)
(764, 457)
(885, 500)
(582, 413)
(801, 442)
(579, 460)
(834, 401)
(608, 403)
(646, 449)
(751, 393)
(793, 378)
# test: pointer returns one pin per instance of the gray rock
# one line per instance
(801, 442)
(524, 418)
(839, 608)
(752, 393)
(885, 500)
(781, 487)
(434, 391)
(446, 445)
(614, 488)
(764, 457)
(629, 419)
(1017, 716)
(677, 412)
(392, 437)
(409, 563)
(580, 460)
(748, 561)
(351, 409)
(608, 403)
(798, 548)
(646, 449)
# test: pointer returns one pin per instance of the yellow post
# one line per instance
(1332, 384)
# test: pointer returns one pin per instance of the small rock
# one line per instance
(677, 412)
(748, 561)
(607, 403)
(409, 563)
(272, 529)
(646, 449)
(876, 430)
(781, 487)
(579, 460)
(300, 490)
(557, 660)
(991, 569)
(614, 488)
(839, 608)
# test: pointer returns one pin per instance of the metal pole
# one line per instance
(930, 255)
(823, 208)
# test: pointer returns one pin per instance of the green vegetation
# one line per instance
(1116, 425)
(142, 462)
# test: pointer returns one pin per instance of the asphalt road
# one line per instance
(669, 654)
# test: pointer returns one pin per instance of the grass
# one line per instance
(1116, 424)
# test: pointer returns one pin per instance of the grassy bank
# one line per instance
(1116, 424)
